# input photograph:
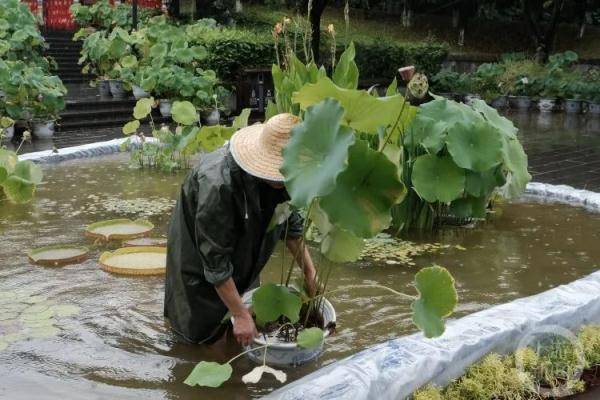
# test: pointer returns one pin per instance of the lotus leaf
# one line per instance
(184, 113)
(119, 229)
(135, 260)
(515, 161)
(129, 61)
(271, 301)
(340, 245)
(58, 255)
(131, 127)
(310, 338)
(437, 299)
(143, 107)
(504, 125)
(209, 374)
(18, 190)
(476, 146)
(364, 192)
(437, 178)
(362, 111)
(483, 183)
(469, 207)
(8, 160)
(316, 153)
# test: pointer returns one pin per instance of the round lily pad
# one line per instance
(141, 260)
(120, 229)
(153, 242)
(58, 255)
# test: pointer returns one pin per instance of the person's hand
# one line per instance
(310, 283)
(244, 328)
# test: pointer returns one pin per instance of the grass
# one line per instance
(484, 39)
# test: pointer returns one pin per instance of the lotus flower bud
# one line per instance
(407, 72)
(26, 136)
(418, 86)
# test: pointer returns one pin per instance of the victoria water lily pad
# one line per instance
(54, 256)
(154, 242)
(119, 229)
(135, 261)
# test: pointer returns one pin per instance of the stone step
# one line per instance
(101, 122)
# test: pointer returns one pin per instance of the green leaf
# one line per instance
(143, 108)
(211, 138)
(18, 190)
(8, 160)
(515, 161)
(482, 184)
(280, 215)
(271, 110)
(364, 192)
(159, 50)
(310, 338)
(362, 111)
(3, 174)
(129, 61)
(316, 153)
(210, 374)
(346, 71)
(476, 146)
(341, 246)
(131, 127)
(241, 121)
(28, 171)
(469, 207)
(184, 112)
(437, 299)
(271, 301)
(437, 178)
(504, 125)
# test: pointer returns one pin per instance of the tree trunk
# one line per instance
(318, 6)
(580, 13)
(542, 36)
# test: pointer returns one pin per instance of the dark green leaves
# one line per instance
(476, 146)
(364, 192)
(271, 301)
(437, 299)
(209, 374)
(316, 153)
(437, 178)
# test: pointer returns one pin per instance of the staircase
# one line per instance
(66, 53)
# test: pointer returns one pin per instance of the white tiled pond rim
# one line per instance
(396, 368)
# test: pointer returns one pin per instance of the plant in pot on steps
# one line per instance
(48, 103)
(592, 97)
(346, 190)
(574, 91)
(444, 83)
(489, 86)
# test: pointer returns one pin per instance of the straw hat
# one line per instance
(258, 148)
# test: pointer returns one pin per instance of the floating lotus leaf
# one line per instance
(476, 146)
(316, 153)
(120, 229)
(340, 245)
(437, 299)
(271, 301)
(184, 112)
(362, 112)
(515, 161)
(503, 124)
(310, 338)
(364, 192)
(135, 261)
(437, 178)
(152, 242)
(58, 255)
(483, 183)
(210, 374)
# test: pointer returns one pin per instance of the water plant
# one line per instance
(18, 178)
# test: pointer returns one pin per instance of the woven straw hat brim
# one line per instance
(255, 156)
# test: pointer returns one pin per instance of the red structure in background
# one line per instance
(58, 17)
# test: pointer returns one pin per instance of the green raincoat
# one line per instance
(218, 230)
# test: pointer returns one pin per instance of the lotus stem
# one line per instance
(400, 294)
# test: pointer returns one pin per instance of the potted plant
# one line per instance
(574, 91)
(444, 83)
(488, 84)
(551, 90)
(593, 98)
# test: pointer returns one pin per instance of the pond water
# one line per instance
(79, 332)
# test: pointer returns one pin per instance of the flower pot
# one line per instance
(211, 117)
(103, 88)
(573, 106)
(116, 88)
(546, 105)
(500, 102)
(164, 106)
(139, 93)
(470, 97)
(282, 354)
(594, 108)
(9, 132)
(43, 129)
(522, 102)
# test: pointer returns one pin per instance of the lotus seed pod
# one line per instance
(418, 86)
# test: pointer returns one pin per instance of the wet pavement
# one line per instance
(562, 148)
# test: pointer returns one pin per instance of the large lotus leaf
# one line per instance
(437, 178)
(437, 299)
(271, 301)
(515, 160)
(504, 125)
(28, 171)
(143, 107)
(469, 207)
(345, 74)
(184, 113)
(340, 245)
(8, 160)
(362, 111)
(364, 192)
(209, 374)
(427, 132)
(482, 184)
(476, 146)
(316, 153)
(18, 190)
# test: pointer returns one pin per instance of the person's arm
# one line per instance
(244, 328)
(302, 255)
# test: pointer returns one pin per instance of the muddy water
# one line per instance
(117, 345)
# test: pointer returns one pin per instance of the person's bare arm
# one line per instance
(244, 328)
(302, 256)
